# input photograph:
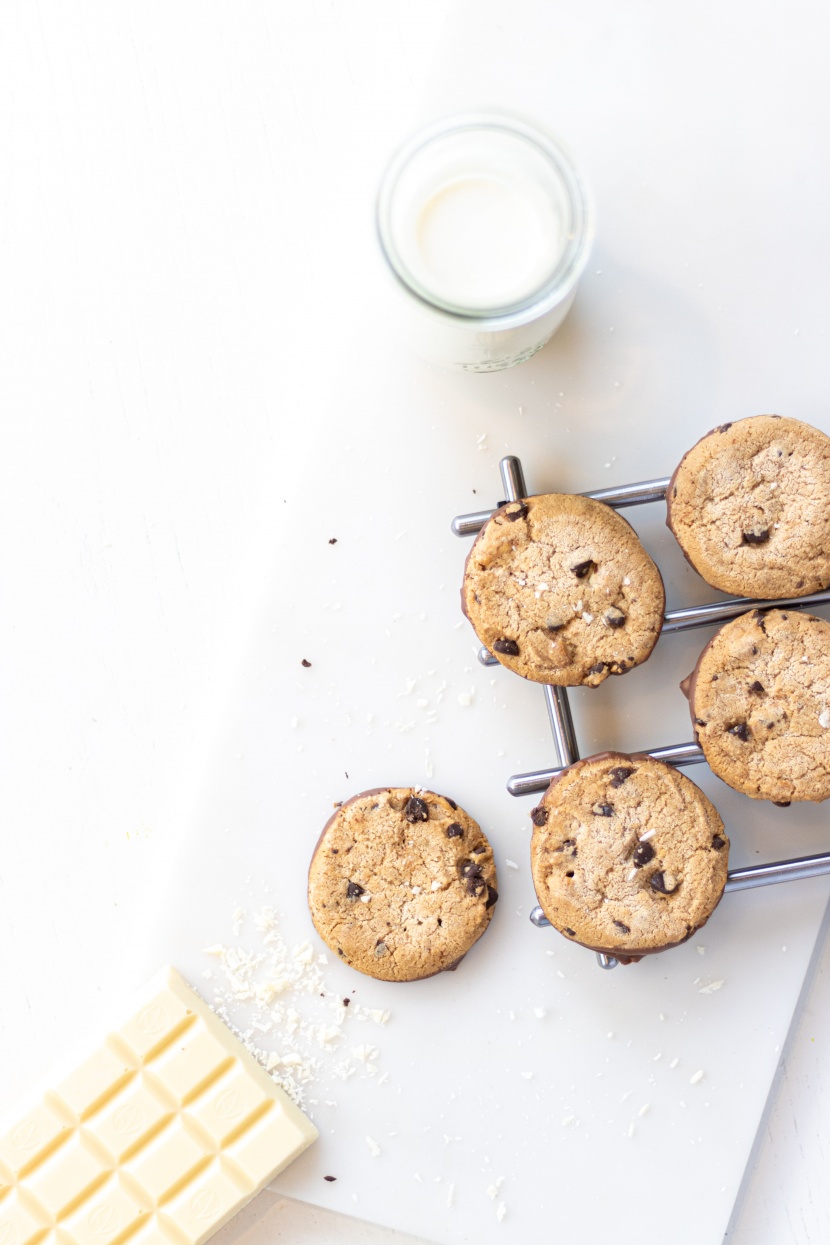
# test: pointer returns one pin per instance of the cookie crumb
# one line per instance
(696, 1077)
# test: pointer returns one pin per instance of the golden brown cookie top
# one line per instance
(628, 856)
(560, 590)
(402, 883)
(760, 702)
(750, 507)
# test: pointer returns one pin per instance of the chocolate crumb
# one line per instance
(620, 774)
(380, 948)
(329, 1178)
(332, 541)
(643, 853)
(415, 810)
(539, 815)
(583, 569)
(782, 803)
(508, 647)
(455, 831)
(346, 1002)
(305, 663)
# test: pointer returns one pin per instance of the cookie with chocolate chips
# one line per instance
(402, 883)
(628, 856)
(750, 507)
(561, 591)
(759, 697)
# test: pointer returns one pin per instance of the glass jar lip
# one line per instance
(561, 280)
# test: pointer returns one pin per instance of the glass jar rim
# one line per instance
(562, 278)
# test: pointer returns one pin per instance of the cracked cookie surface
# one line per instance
(759, 697)
(402, 883)
(560, 590)
(750, 507)
(628, 856)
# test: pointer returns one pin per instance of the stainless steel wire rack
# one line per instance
(558, 706)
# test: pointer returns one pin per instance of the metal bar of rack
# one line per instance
(558, 706)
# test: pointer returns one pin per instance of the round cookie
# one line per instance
(750, 507)
(561, 591)
(628, 856)
(760, 703)
(402, 883)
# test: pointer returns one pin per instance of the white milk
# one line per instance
(485, 224)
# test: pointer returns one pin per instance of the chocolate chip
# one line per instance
(758, 688)
(569, 874)
(699, 722)
(553, 624)
(415, 810)
(664, 883)
(508, 647)
(620, 774)
(759, 618)
(539, 815)
(614, 617)
(598, 668)
(783, 803)
(572, 932)
(492, 897)
(517, 512)
(603, 810)
(626, 929)
(479, 849)
(643, 853)
(723, 427)
(740, 730)
(305, 663)
(451, 803)
(583, 569)
(380, 948)
(329, 1177)
(354, 891)
(346, 1002)
(758, 536)
(472, 874)
(455, 831)
(718, 843)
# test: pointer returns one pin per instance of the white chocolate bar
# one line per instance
(158, 1138)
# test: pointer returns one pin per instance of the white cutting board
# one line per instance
(703, 303)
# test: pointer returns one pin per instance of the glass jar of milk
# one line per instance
(486, 226)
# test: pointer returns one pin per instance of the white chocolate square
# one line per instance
(159, 1137)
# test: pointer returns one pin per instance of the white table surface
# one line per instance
(143, 427)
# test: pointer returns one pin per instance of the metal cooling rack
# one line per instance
(559, 709)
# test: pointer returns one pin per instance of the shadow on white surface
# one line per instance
(274, 1220)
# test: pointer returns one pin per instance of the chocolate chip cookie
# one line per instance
(402, 883)
(750, 507)
(628, 856)
(560, 590)
(760, 702)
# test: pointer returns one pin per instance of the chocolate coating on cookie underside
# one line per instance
(561, 591)
(402, 883)
(749, 505)
(759, 697)
(628, 856)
